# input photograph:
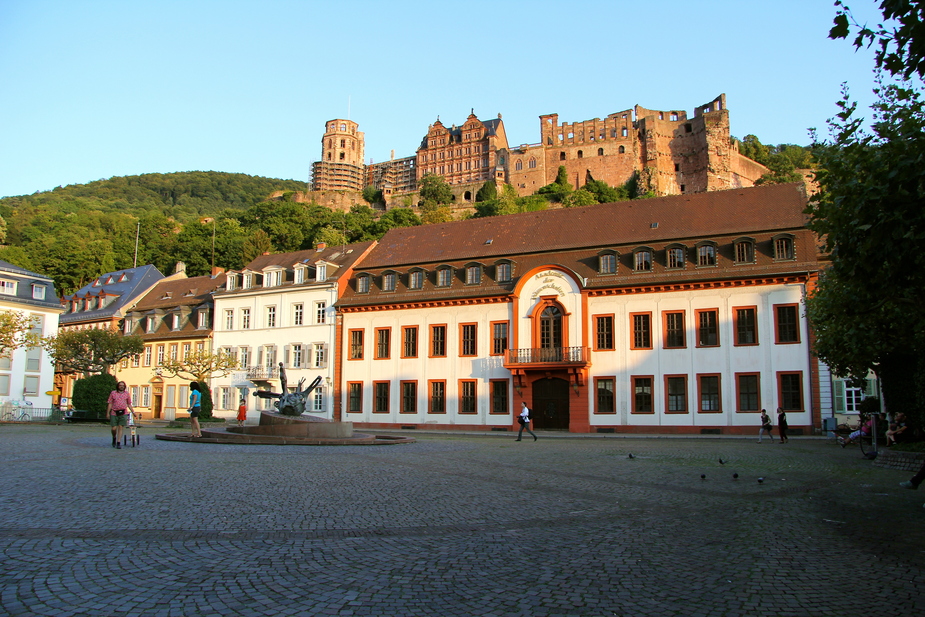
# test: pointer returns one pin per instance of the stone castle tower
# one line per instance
(341, 165)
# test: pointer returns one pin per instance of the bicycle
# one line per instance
(18, 413)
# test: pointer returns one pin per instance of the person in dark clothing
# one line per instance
(524, 419)
(782, 425)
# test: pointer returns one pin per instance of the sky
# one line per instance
(91, 89)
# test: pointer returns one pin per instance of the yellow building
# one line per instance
(174, 318)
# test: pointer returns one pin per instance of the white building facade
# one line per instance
(27, 373)
(280, 309)
(678, 315)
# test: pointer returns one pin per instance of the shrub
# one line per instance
(91, 393)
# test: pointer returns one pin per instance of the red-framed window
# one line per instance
(383, 343)
(467, 396)
(603, 333)
(604, 396)
(468, 333)
(745, 325)
(640, 330)
(436, 400)
(748, 392)
(673, 327)
(409, 342)
(707, 327)
(438, 341)
(676, 400)
(354, 397)
(381, 396)
(790, 390)
(500, 396)
(786, 324)
(409, 396)
(499, 337)
(643, 391)
(356, 345)
(709, 393)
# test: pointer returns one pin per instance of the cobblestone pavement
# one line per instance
(453, 525)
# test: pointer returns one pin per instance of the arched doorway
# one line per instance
(550, 404)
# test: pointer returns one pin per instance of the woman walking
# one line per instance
(765, 426)
(195, 406)
(524, 419)
(782, 425)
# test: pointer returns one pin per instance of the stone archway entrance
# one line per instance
(550, 404)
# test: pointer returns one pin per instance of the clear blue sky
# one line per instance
(91, 89)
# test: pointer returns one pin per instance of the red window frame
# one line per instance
(735, 325)
(388, 396)
(697, 314)
(404, 342)
(738, 377)
(401, 386)
(780, 391)
(796, 309)
(687, 398)
(665, 330)
(463, 384)
(463, 340)
(633, 333)
(388, 344)
(613, 395)
(430, 396)
(633, 398)
(430, 349)
(597, 337)
(719, 392)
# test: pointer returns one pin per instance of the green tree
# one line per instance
(434, 188)
(781, 171)
(752, 147)
(487, 192)
(90, 351)
(559, 188)
(257, 244)
(92, 393)
(15, 332)
(581, 197)
(372, 195)
(900, 47)
(396, 217)
(866, 310)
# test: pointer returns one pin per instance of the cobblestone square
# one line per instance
(456, 524)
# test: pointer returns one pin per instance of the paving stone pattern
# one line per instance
(454, 525)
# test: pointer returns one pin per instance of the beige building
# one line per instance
(174, 318)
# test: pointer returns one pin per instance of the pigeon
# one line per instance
(721, 461)
(735, 476)
(631, 455)
(703, 476)
(760, 480)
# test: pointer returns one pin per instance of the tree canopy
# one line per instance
(866, 309)
(90, 351)
(15, 332)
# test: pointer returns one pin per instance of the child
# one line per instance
(242, 412)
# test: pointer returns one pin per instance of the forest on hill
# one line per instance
(75, 233)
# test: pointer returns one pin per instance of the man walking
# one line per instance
(524, 419)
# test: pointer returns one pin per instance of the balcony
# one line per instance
(262, 373)
(540, 357)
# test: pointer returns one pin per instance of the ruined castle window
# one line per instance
(682, 188)
(571, 135)
(613, 132)
(343, 143)
(674, 257)
(706, 254)
(607, 263)
(329, 143)
(581, 154)
(532, 163)
(342, 155)
(467, 195)
(621, 150)
(519, 165)
(329, 156)
(674, 117)
(677, 167)
(600, 152)
(343, 127)
(661, 116)
(560, 136)
(562, 156)
(642, 260)
(623, 132)
(688, 128)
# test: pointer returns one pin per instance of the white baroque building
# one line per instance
(27, 373)
(280, 308)
(680, 314)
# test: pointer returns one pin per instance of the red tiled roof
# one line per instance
(735, 211)
(340, 255)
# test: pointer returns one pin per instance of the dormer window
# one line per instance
(642, 260)
(203, 319)
(123, 278)
(8, 288)
(248, 281)
(444, 277)
(674, 257)
(744, 251)
(473, 275)
(175, 321)
(363, 284)
(299, 275)
(38, 292)
(127, 326)
(272, 278)
(416, 279)
(607, 263)
(150, 324)
(783, 247)
(229, 283)
(503, 272)
(389, 281)
(321, 272)
(706, 254)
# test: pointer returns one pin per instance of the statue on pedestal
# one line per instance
(289, 403)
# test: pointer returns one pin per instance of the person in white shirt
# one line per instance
(524, 419)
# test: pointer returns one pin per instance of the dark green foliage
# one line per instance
(605, 194)
(559, 188)
(372, 195)
(866, 310)
(92, 393)
(900, 47)
(205, 402)
(782, 160)
(488, 191)
(434, 188)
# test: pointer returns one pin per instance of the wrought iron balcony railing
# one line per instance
(547, 355)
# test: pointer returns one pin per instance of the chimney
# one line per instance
(216, 270)
(181, 267)
(321, 246)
